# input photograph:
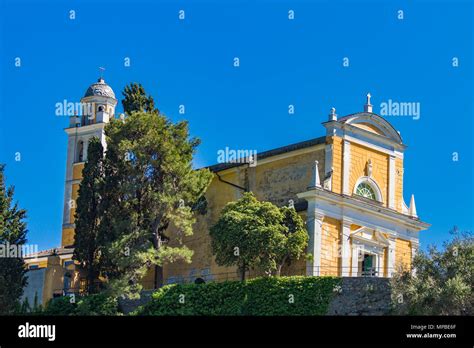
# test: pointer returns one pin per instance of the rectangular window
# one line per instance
(69, 264)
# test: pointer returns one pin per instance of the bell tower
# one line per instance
(97, 108)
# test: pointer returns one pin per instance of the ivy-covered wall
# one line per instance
(268, 296)
(296, 295)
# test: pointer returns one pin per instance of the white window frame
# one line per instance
(372, 183)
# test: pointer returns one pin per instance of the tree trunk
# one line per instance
(280, 266)
(242, 273)
(158, 276)
(90, 283)
(90, 276)
(278, 271)
(158, 269)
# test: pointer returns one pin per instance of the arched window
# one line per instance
(366, 187)
(365, 190)
(80, 151)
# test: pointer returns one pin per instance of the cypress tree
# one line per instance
(136, 99)
(12, 234)
(88, 243)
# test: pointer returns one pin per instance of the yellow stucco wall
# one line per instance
(402, 253)
(217, 195)
(67, 237)
(398, 184)
(330, 241)
(277, 181)
(77, 171)
(369, 127)
(337, 163)
(53, 279)
(148, 281)
(359, 157)
(74, 195)
(40, 264)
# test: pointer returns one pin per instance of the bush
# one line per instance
(97, 304)
(289, 295)
(196, 299)
(296, 295)
(442, 283)
(60, 306)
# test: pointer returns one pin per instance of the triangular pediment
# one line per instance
(370, 236)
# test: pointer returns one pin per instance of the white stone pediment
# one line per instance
(370, 237)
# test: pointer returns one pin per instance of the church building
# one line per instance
(346, 184)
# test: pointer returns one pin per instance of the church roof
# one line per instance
(274, 152)
(100, 88)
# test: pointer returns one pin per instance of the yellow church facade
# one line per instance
(346, 184)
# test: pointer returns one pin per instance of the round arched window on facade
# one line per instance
(366, 191)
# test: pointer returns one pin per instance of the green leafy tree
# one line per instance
(153, 193)
(12, 234)
(440, 281)
(252, 234)
(294, 239)
(89, 242)
(136, 99)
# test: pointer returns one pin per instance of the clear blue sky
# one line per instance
(282, 62)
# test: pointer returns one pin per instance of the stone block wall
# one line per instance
(362, 296)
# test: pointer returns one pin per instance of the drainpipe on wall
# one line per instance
(231, 184)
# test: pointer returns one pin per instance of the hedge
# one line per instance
(97, 304)
(297, 295)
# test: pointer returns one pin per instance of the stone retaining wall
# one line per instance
(362, 296)
(355, 296)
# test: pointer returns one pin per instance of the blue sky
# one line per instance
(282, 62)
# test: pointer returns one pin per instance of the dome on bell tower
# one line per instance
(100, 88)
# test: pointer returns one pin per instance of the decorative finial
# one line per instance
(368, 106)
(315, 182)
(332, 115)
(412, 208)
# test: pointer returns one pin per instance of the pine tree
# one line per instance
(88, 243)
(12, 234)
(136, 99)
(153, 191)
